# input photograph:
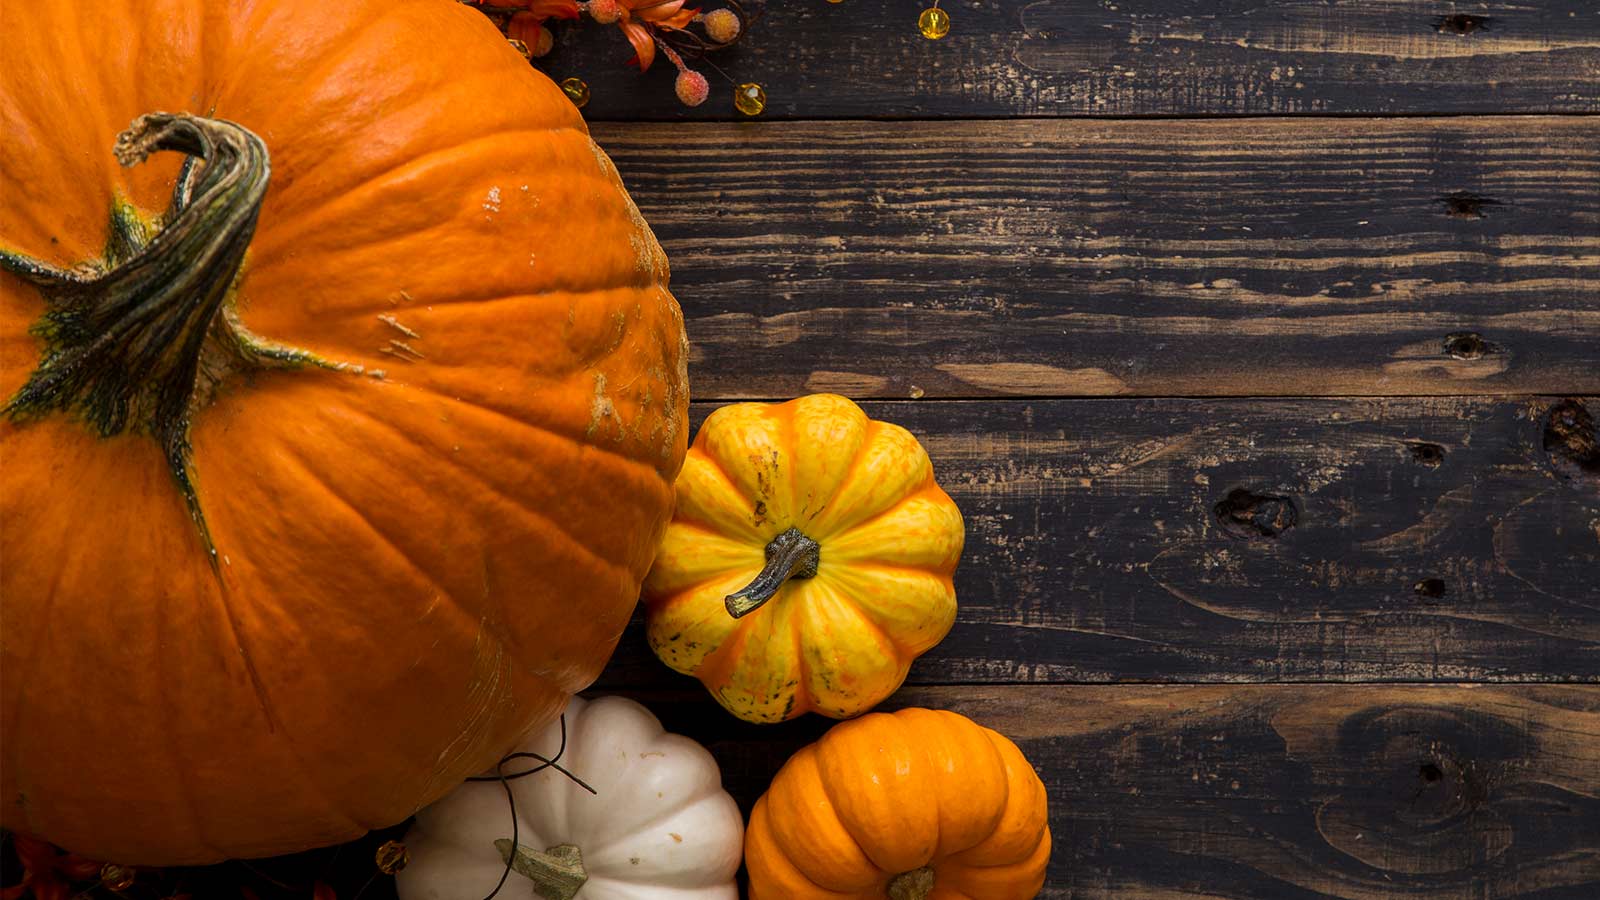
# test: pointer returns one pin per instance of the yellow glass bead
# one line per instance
(749, 98)
(391, 857)
(116, 878)
(835, 1)
(576, 91)
(520, 47)
(934, 23)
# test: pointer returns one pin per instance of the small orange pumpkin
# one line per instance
(913, 805)
(256, 597)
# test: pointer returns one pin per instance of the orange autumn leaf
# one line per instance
(644, 44)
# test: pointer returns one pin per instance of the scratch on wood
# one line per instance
(1035, 378)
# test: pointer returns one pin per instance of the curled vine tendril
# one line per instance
(505, 780)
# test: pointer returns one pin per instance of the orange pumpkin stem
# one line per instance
(135, 341)
(916, 884)
(789, 555)
(557, 873)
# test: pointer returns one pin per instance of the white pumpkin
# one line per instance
(658, 827)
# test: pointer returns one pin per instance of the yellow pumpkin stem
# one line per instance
(916, 884)
(790, 555)
(557, 873)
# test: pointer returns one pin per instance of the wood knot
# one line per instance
(1250, 516)
(1572, 442)
(1429, 588)
(1468, 345)
(1461, 23)
(1466, 205)
(1426, 454)
(1420, 788)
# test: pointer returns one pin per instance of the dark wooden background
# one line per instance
(1259, 342)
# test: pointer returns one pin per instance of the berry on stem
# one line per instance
(605, 11)
(692, 87)
(722, 25)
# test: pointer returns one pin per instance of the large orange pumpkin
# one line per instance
(331, 464)
(918, 804)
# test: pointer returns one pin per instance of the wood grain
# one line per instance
(1271, 792)
(864, 58)
(1259, 540)
(1071, 258)
(1274, 791)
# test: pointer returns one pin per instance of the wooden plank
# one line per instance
(1264, 540)
(1273, 791)
(1055, 258)
(864, 58)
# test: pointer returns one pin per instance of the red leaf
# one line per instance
(323, 892)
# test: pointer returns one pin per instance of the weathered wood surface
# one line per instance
(1260, 540)
(1055, 258)
(1271, 792)
(1277, 792)
(864, 58)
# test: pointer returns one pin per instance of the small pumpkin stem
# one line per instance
(790, 555)
(916, 884)
(557, 873)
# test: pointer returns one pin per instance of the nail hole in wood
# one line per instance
(1430, 588)
(1461, 23)
(1572, 442)
(1467, 345)
(1430, 772)
(1250, 516)
(1466, 205)
(1426, 454)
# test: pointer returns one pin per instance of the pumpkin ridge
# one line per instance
(831, 788)
(305, 216)
(936, 492)
(804, 700)
(293, 452)
(575, 437)
(473, 619)
(879, 427)
(506, 642)
(810, 768)
(347, 43)
(733, 488)
(685, 594)
(846, 599)
(716, 463)
(759, 831)
(709, 793)
(584, 550)
(483, 695)
(872, 429)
